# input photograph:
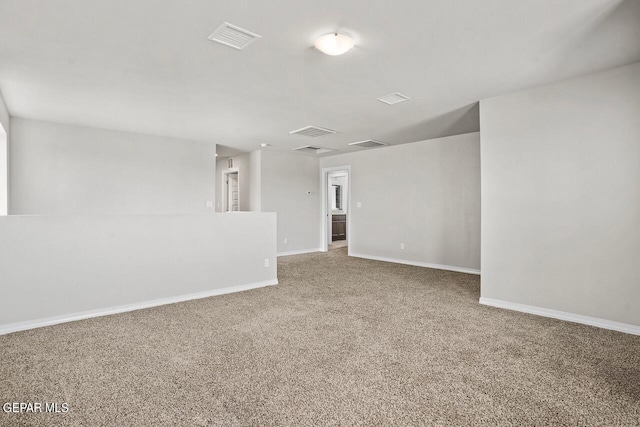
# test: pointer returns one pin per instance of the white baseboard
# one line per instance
(48, 321)
(563, 315)
(418, 263)
(303, 251)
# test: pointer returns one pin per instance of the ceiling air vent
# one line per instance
(310, 149)
(233, 36)
(369, 143)
(393, 98)
(312, 131)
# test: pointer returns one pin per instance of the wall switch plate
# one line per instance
(359, 204)
(401, 245)
(209, 203)
(286, 240)
(266, 262)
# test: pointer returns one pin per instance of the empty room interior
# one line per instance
(418, 212)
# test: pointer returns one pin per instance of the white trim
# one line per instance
(48, 321)
(300, 252)
(418, 263)
(563, 315)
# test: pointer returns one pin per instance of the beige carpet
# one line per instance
(341, 341)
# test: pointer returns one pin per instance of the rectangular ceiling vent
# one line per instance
(369, 143)
(312, 131)
(233, 36)
(310, 149)
(393, 98)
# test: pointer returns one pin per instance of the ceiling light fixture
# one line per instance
(334, 44)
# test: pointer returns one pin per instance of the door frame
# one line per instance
(4, 170)
(325, 222)
(225, 187)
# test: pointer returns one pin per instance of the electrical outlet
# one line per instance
(286, 240)
(401, 245)
(266, 262)
(209, 203)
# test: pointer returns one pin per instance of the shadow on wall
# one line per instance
(584, 40)
(456, 122)
(222, 151)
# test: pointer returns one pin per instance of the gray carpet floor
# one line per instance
(341, 341)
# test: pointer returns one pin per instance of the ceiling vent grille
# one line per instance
(393, 98)
(369, 143)
(312, 131)
(310, 149)
(233, 36)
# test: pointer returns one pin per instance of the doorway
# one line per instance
(336, 205)
(231, 191)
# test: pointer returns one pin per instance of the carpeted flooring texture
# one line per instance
(341, 341)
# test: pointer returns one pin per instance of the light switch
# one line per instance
(359, 204)
(209, 203)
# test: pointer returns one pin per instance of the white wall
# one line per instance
(561, 196)
(255, 184)
(59, 169)
(4, 114)
(286, 179)
(4, 156)
(95, 263)
(221, 167)
(424, 194)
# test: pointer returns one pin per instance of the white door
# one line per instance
(233, 202)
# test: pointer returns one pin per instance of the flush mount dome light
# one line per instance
(334, 44)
